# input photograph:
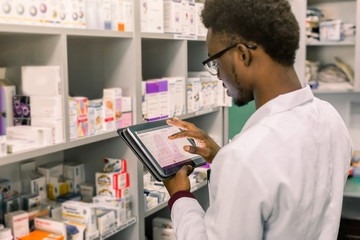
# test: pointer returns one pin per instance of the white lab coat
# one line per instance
(282, 176)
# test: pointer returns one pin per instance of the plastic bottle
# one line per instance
(7, 91)
(5, 234)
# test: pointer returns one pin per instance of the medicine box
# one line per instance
(126, 104)
(76, 231)
(152, 16)
(107, 191)
(87, 191)
(82, 116)
(56, 125)
(18, 221)
(46, 107)
(172, 16)
(72, 119)
(193, 94)
(118, 15)
(41, 81)
(112, 108)
(30, 201)
(38, 186)
(82, 6)
(80, 212)
(112, 180)
(95, 116)
(52, 169)
(40, 235)
(41, 136)
(163, 98)
(7, 91)
(152, 100)
(106, 221)
(59, 187)
(75, 172)
(330, 30)
(53, 9)
(47, 224)
(104, 14)
(176, 93)
(126, 119)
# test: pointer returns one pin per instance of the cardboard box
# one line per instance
(75, 172)
(46, 107)
(95, 116)
(82, 116)
(51, 225)
(152, 16)
(52, 169)
(176, 89)
(163, 99)
(41, 136)
(81, 213)
(18, 221)
(56, 125)
(152, 100)
(111, 180)
(73, 119)
(41, 81)
(112, 108)
(172, 15)
(87, 192)
(40, 235)
(126, 119)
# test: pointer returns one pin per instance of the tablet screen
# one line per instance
(167, 152)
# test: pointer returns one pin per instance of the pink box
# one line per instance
(82, 116)
(126, 119)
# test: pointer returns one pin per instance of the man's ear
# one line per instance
(244, 54)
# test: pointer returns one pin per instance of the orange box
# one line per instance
(39, 235)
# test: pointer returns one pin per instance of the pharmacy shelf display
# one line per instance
(91, 60)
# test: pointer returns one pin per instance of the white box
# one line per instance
(112, 108)
(57, 126)
(106, 221)
(41, 81)
(330, 30)
(193, 94)
(118, 15)
(82, 12)
(152, 100)
(41, 136)
(72, 12)
(75, 172)
(52, 169)
(176, 87)
(18, 221)
(104, 14)
(87, 192)
(126, 104)
(80, 227)
(117, 205)
(14, 145)
(80, 212)
(129, 15)
(46, 107)
(51, 225)
(31, 12)
(91, 14)
(53, 9)
(111, 180)
(73, 119)
(172, 16)
(163, 98)
(152, 16)
(38, 186)
(3, 150)
(95, 116)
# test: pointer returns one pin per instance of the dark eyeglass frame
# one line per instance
(219, 54)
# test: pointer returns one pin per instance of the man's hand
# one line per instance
(180, 182)
(206, 146)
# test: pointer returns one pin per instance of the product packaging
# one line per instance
(95, 116)
(152, 16)
(75, 172)
(7, 91)
(18, 222)
(172, 16)
(112, 108)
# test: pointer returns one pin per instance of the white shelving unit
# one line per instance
(91, 60)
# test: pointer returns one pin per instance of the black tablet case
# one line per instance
(139, 154)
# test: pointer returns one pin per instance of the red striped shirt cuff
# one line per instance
(178, 195)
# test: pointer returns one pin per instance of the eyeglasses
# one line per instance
(212, 67)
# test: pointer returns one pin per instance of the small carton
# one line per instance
(47, 224)
(52, 169)
(18, 221)
(95, 116)
(82, 116)
(40, 235)
(152, 16)
(112, 108)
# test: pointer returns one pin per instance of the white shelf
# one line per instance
(36, 152)
(125, 225)
(7, 29)
(171, 36)
(165, 203)
(325, 44)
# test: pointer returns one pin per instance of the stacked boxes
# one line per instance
(75, 172)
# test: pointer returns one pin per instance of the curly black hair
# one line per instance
(269, 23)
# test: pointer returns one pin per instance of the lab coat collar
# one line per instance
(281, 103)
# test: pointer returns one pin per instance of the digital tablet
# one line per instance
(161, 156)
